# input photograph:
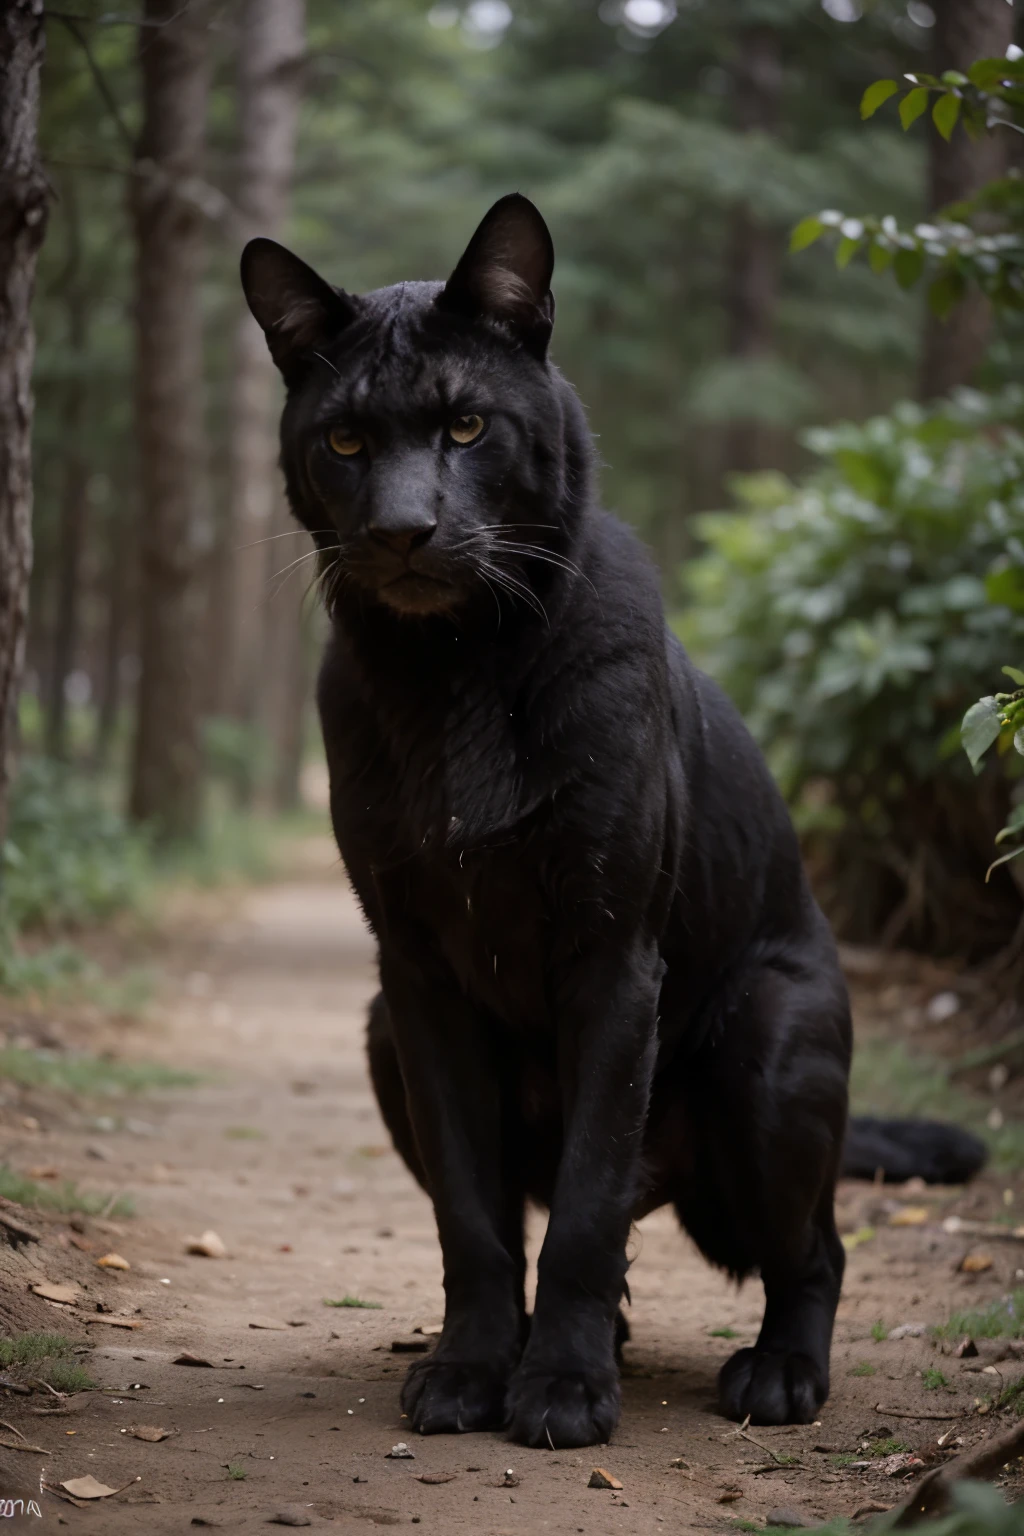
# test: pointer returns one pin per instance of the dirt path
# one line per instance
(282, 1153)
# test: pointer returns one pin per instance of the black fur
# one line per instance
(605, 985)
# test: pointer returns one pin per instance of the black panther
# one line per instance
(605, 984)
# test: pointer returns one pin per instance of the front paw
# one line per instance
(562, 1409)
(771, 1387)
(443, 1397)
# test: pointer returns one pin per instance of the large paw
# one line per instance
(444, 1397)
(574, 1408)
(772, 1386)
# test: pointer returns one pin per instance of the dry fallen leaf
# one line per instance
(730, 1496)
(187, 1358)
(435, 1477)
(113, 1261)
(599, 1478)
(46, 1172)
(209, 1246)
(976, 1263)
(151, 1432)
(910, 1216)
(88, 1488)
(269, 1323)
(67, 1294)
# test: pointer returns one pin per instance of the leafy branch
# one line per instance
(979, 242)
(998, 717)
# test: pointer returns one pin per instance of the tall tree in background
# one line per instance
(965, 30)
(23, 211)
(756, 249)
(271, 51)
(174, 60)
(74, 496)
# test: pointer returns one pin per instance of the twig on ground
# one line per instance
(4, 1425)
(16, 1230)
(23, 1445)
(741, 1433)
(932, 1493)
(904, 1413)
(15, 1386)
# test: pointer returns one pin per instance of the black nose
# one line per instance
(401, 540)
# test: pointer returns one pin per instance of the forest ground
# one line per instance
(280, 1150)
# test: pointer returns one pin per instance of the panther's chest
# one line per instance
(486, 912)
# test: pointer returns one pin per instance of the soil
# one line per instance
(281, 1152)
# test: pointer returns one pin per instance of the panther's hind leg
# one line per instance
(765, 1110)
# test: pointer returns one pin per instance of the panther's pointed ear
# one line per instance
(294, 306)
(505, 273)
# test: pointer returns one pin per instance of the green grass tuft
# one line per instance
(244, 1133)
(66, 1376)
(87, 1074)
(48, 1357)
(888, 1447)
(354, 1301)
(844, 1458)
(934, 1378)
(879, 1332)
(723, 1333)
(65, 1196)
(1004, 1319)
(863, 1368)
(237, 1472)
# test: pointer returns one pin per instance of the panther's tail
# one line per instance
(907, 1149)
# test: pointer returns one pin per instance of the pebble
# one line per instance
(291, 1515)
(789, 1517)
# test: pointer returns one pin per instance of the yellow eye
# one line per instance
(345, 442)
(464, 428)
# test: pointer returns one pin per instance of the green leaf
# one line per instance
(913, 104)
(1016, 674)
(1018, 740)
(876, 96)
(1006, 588)
(945, 113)
(1004, 860)
(985, 73)
(946, 292)
(980, 728)
(846, 250)
(806, 232)
(879, 256)
(953, 77)
(908, 266)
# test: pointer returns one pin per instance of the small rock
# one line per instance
(789, 1517)
(209, 1246)
(400, 1452)
(599, 1478)
(113, 1261)
(908, 1331)
(291, 1515)
(942, 1007)
(976, 1263)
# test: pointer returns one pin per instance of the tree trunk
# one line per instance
(965, 30)
(119, 563)
(174, 59)
(271, 46)
(755, 256)
(23, 211)
(74, 496)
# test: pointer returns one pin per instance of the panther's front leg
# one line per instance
(566, 1390)
(454, 1105)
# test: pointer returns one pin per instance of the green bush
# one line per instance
(849, 617)
(69, 859)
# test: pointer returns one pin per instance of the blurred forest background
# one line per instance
(864, 582)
